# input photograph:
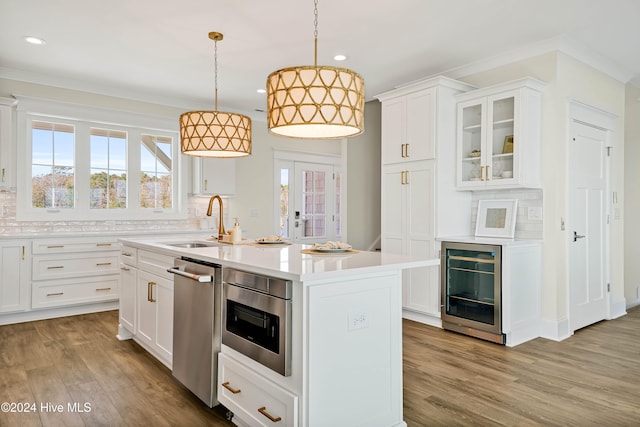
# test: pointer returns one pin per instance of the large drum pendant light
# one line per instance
(317, 102)
(215, 133)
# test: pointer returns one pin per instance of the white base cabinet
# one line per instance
(346, 367)
(74, 271)
(253, 398)
(14, 276)
(146, 302)
(128, 283)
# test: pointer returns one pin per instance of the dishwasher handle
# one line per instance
(196, 277)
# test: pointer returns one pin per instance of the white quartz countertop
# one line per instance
(282, 260)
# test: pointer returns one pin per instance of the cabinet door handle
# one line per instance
(126, 254)
(206, 185)
(481, 173)
(150, 291)
(406, 177)
(53, 267)
(2, 174)
(55, 293)
(23, 253)
(406, 150)
(99, 264)
(103, 244)
(103, 289)
(402, 150)
(264, 412)
(231, 389)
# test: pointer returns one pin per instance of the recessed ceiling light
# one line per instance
(261, 91)
(340, 57)
(34, 40)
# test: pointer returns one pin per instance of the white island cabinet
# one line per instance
(346, 337)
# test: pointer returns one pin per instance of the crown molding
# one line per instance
(556, 44)
(113, 91)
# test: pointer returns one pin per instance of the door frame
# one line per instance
(282, 157)
(581, 113)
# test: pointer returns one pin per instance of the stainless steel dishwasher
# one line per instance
(197, 315)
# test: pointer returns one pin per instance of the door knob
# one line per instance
(576, 236)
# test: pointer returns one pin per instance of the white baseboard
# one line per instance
(556, 330)
(425, 319)
(51, 313)
(618, 307)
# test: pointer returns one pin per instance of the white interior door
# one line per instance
(588, 234)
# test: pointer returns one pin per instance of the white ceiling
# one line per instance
(158, 50)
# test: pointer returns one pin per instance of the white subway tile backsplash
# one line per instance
(527, 198)
(9, 226)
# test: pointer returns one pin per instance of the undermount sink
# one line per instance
(191, 245)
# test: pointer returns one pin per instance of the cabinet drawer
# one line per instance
(82, 245)
(61, 266)
(155, 263)
(255, 399)
(76, 291)
(129, 256)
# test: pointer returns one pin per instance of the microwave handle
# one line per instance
(196, 277)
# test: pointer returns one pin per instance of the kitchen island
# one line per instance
(346, 334)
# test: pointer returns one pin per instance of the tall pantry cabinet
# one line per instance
(419, 200)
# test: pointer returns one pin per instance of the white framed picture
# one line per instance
(496, 218)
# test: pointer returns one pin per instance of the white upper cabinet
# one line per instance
(7, 172)
(498, 136)
(407, 127)
(214, 176)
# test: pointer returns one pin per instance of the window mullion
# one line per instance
(82, 167)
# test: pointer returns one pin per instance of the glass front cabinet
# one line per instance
(471, 290)
(498, 136)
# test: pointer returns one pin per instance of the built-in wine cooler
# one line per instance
(471, 290)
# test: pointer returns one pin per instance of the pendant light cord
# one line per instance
(215, 72)
(315, 33)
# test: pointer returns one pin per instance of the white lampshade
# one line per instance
(315, 102)
(215, 134)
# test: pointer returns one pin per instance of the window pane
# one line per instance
(284, 202)
(108, 180)
(52, 160)
(156, 168)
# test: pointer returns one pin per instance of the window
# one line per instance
(284, 203)
(52, 165)
(155, 172)
(108, 179)
(88, 163)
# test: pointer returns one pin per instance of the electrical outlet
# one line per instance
(358, 320)
(534, 213)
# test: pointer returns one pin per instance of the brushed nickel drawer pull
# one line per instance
(55, 246)
(103, 244)
(53, 267)
(231, 389)
(102, 263)
(103, 289)
(55, 293)
(264, 412)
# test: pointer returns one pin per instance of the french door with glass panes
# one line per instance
(310, 202)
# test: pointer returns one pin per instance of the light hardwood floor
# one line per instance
(590, 379)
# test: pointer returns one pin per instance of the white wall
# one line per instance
(632, 196)
(363, 180)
